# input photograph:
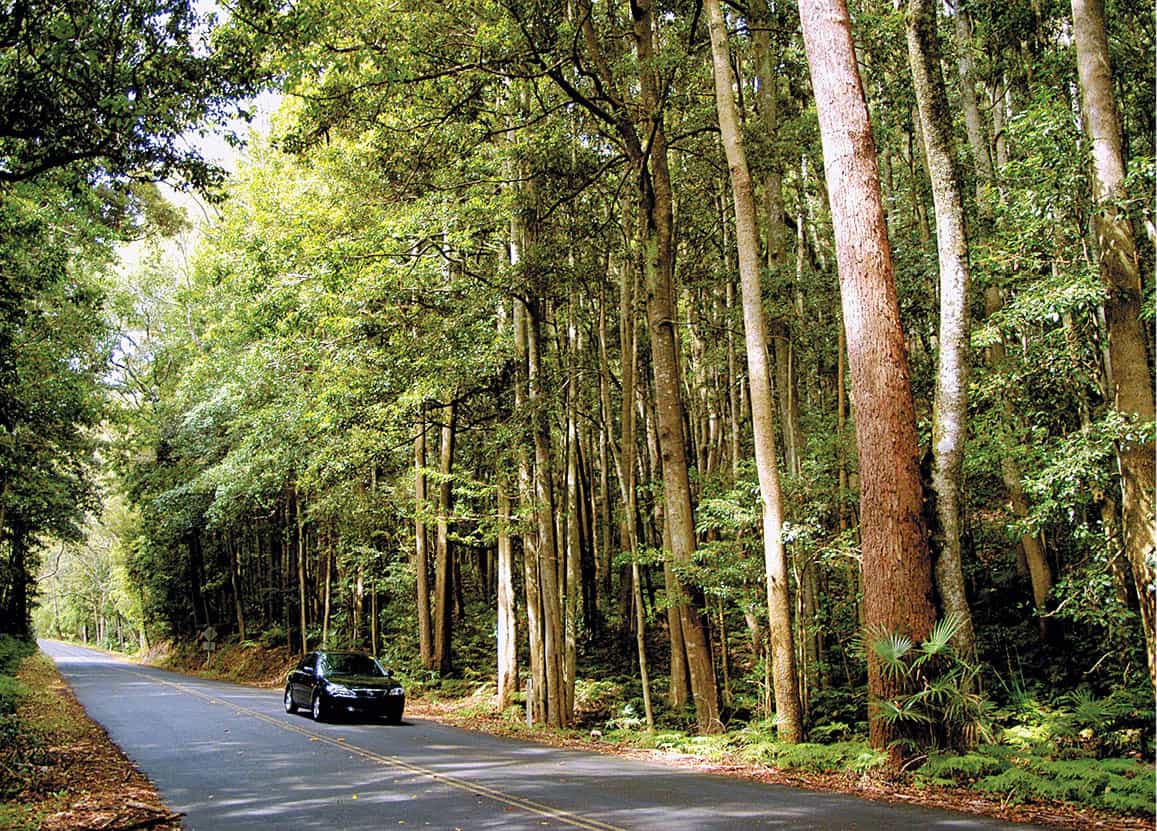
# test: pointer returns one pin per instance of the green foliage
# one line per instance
(74, 76)
(1119, 785)
(939, 686)
(1081, 724)
(854, 757)
(12, 652)
(757, 744)
(954, 770)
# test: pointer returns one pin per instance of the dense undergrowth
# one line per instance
(1074, 748)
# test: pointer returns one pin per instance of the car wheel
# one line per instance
(394, 717)
(318, 707)
(290, 705)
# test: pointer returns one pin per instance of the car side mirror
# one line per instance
(389, 673)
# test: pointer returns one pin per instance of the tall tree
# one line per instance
(950, 409)
(1131, 375)
(422, 545)
(896, 563)
(789, 718)
(658, 251)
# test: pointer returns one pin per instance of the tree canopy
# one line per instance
(464, 342)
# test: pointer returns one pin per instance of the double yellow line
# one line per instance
(529, 805)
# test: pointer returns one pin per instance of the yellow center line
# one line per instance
(565, 817)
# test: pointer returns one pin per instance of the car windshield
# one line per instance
(351, 664)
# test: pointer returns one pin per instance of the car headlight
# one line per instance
(338, 691)
(396, 691)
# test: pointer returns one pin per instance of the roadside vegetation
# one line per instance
(1069, 760)
(574, 349)
(61, 772)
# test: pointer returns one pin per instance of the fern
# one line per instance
(855, 757)
(952, 769)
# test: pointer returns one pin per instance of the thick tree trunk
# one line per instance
(443, 564)
(896, 563)
(950, 409)
(1131, 376)
(789, 718)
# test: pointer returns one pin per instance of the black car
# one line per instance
(340, 683)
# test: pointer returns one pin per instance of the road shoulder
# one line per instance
(73, 776)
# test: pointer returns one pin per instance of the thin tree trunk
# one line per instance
(896, 563)
(443, 563)
(841, 426)
(301, 570)
(235, 584)
(733, 408)
(1132, 379)
(573, 588)
(657, 209)
(536, 698)
(373, 618)
(628, 443)
(789, 716)
(950, 410)
(974, 124)
(421, 546)
(507, 619)
(552, 616)
(326, 547)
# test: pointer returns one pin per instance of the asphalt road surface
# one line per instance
(229, 757)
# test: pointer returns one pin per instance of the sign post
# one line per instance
(209, 635)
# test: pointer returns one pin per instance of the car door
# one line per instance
(303, 680)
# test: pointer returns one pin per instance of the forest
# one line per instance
(738, 362)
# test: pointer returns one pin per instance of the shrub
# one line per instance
(596, 699)
(12, 652)
(943, 698)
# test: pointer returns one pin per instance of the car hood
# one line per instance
(363, 681)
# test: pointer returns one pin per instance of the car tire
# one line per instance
(394, 718)
(290, 704)
(318, 708)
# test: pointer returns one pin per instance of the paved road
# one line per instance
(228, 757)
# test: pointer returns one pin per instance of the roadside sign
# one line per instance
(209, 635)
